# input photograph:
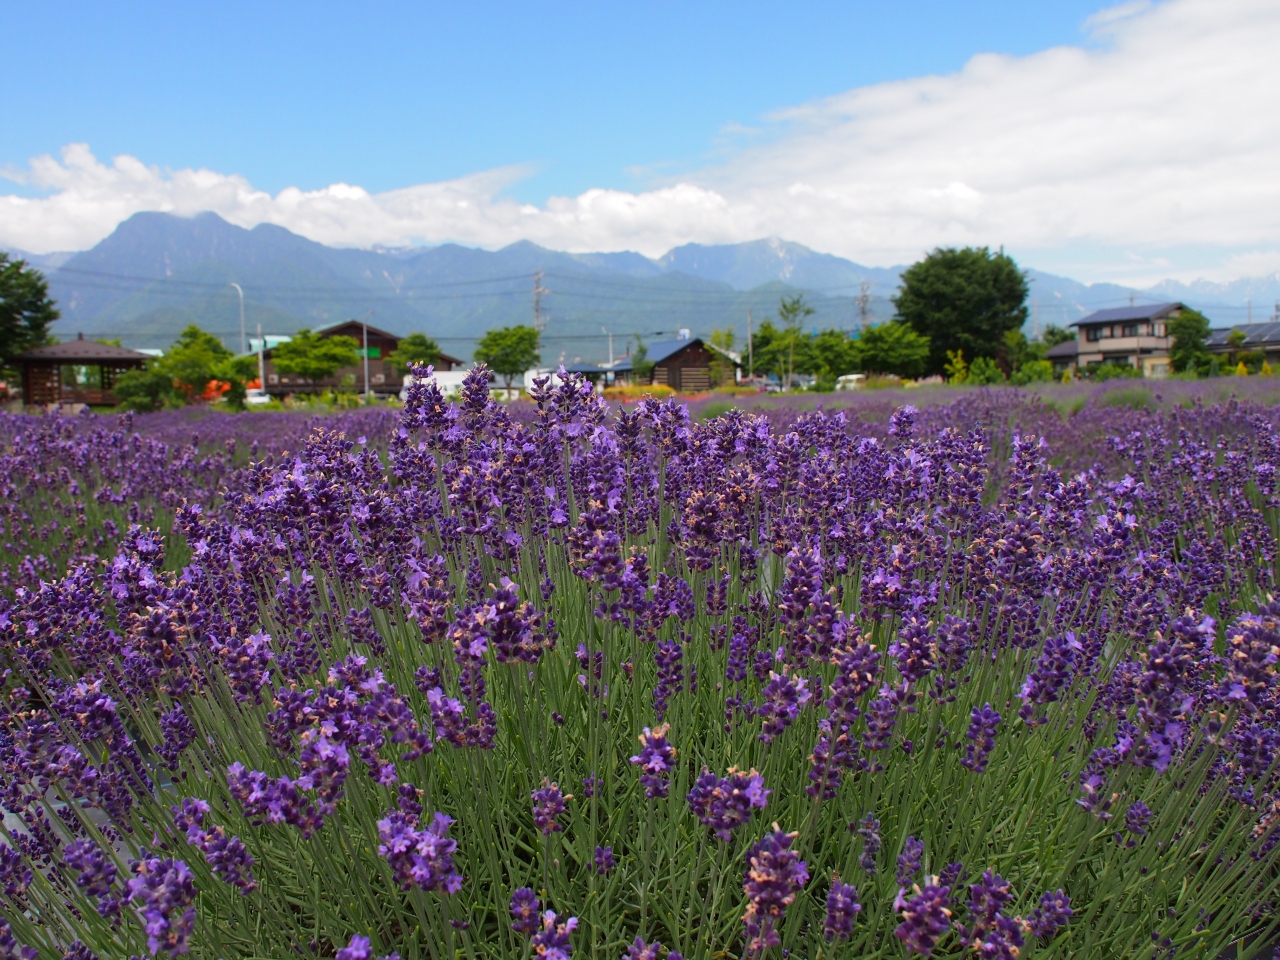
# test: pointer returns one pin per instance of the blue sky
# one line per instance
(389, 95)
(1128, 141)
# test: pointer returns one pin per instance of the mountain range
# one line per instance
(158, 272)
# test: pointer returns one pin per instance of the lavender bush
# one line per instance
(561, 681)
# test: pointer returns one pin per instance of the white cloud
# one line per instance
(1165, 135)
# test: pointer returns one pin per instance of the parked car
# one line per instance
(256, 396)
(851, 381)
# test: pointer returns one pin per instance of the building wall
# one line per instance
(688, 370)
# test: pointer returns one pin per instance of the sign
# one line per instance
(375, 353)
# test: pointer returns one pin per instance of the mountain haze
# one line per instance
(158, 272)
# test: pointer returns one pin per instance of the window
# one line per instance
(1093, 334)
(1131, 330)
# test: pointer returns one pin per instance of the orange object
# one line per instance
(214, 390)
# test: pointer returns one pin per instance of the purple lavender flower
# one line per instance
(655, 759)
(882, 716)
(552, 941)
(639, 950)
(782, 699)
(981, 736)
(358, 949)
(77, 951)
(10, 949)
(1053, 670)
(667, 655)
(773, 878)
(987, 898)
(1137, 818)
(420, 856)
(548, 803)
(591, 784)
(178, 732)
(869, 829)
(604, 860)
(725, 804)
(162, 892)
(525, 910)
(96, 873)
(842, 908)
(1053, 912)
(15, 874)
(915, 649)
(925, 918)
(909, 860)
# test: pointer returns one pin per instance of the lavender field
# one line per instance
(990, 675)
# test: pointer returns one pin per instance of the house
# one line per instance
(383, 378)
(1063, 356)
(684, 365)
(1254, 337)
(78, 371)
(1133, 336)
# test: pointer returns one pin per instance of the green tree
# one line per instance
(26, 312)
(962, 299)
(146, 389)
(832, 354)
(983, 371)
(192, 361)
(415, 348)
(768, 345)
(1033, 371)
(1054, 335)
(641, 367)
(792, 310)
(509, 351)
(722, 367)
(1189, 330)
(312, 357)
(893, 347)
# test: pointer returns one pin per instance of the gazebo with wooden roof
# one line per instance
(42, 372)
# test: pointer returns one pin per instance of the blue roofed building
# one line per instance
(1251, 338)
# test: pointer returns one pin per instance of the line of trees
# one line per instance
(959, 314)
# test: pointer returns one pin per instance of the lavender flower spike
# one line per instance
(925, 917)
(842, 907)
(774, 875)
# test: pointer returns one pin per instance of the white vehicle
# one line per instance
(851, 381)
(256, 396)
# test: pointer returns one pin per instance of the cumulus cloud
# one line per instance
(1164, 133)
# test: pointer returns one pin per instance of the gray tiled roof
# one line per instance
(81, 350)
(1148, 311)
(1063, 351)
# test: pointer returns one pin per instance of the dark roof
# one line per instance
(657, 352)
(582, 368)
(1063, 351)
(81, 350)
(329, 329)
(1149, 311)
(1255, 334)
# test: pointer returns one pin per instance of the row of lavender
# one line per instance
(71, 486)
(630, 685)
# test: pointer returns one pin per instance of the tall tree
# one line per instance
(791, 311)
(722, 366)
(509, 351)
(313, 357)
(832, 354)
(26, 311)
(415, 348)
(1189, 330)
(1054, 335)
(641, 365)
(962, 299)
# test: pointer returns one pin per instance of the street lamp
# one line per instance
(244, 347)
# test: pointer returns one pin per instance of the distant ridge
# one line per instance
(158, 272)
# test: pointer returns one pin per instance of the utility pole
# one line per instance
(365, 323)
(609, 333)
(1035, 319)
(244, 347)
(751, 351)
(864, 302)
(539, 320)
(1275, 317)
(1248, 307)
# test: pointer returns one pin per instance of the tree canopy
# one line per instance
(962, 299)
(415, 348)
(1189, 330)
(892, 347)
(509, 351)
(313, 357)
(26, 311)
